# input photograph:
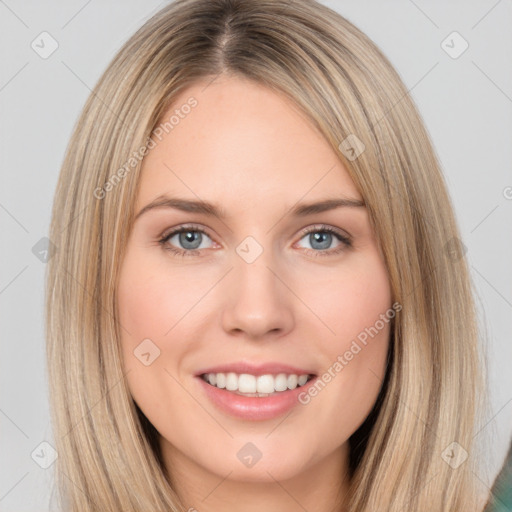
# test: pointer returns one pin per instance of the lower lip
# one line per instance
(254, 408)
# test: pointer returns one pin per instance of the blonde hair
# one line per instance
(108, 454)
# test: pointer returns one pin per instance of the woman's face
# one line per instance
(259, 295)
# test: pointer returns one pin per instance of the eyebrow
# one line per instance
(210, 209)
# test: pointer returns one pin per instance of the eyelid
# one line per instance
(183, 227)
(328, 228)
(302, 232)
(343, 237)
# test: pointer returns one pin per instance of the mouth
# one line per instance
(261, 386)
(255, 392)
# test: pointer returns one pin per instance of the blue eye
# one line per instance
(190, 240)
(321, 238)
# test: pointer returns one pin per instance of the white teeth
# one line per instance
(292, 381)
(247, 383)
(255, 385)
(220, 378)
(265, 384)
(232, 382)
(281, 382)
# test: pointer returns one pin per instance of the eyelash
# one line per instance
(345, 240)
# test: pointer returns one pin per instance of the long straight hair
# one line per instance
(108, 455)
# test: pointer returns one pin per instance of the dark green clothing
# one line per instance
(501, 495)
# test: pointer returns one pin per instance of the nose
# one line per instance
(258, 304)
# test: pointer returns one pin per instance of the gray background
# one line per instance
(466, 103)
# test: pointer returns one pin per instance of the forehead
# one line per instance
(241, 145)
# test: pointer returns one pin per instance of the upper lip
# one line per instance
(272, 368)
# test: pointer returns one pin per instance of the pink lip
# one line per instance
(254, 408)
(255, 369)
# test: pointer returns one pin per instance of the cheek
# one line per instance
(353, 300)
(144, 306)
(145, 301)
(357, 307)
(150, 298)
(365, 320)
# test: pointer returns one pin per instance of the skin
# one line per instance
(252, 152)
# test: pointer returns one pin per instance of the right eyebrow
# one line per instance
(185, 205)
(210, 209)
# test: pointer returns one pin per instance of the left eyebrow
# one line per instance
(210, 209)
(302, 210)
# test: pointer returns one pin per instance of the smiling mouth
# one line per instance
(245, 384)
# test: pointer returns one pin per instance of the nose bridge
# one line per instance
(258, 301)
(255, 276)
(255, 281)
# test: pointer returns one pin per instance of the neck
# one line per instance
(321, 487)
